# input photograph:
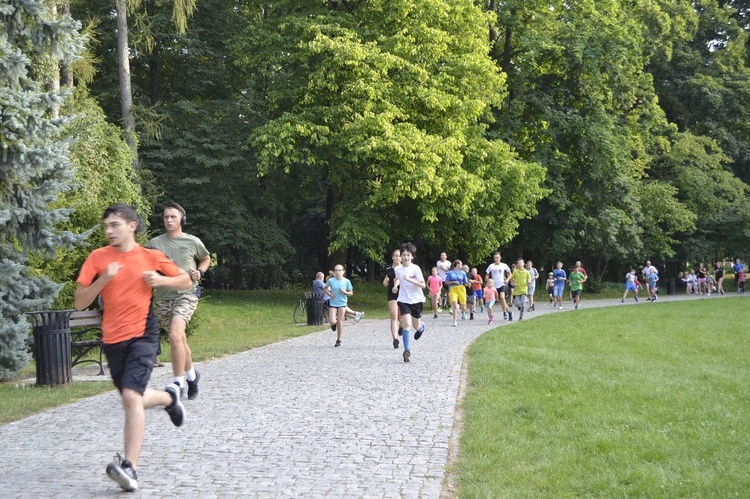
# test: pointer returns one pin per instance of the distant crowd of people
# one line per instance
(462, 291)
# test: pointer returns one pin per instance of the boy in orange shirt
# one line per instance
(124, 275)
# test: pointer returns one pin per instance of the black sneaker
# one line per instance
(338, 343)
(434, 316)
(395, 342)
(407, 355)
(122, 472)
(175, 410)
(418, 333)
(510, 316)
(471, 317)
(333, 327)
(193, 386)
(400, 331)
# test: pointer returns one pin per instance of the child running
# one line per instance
(490, 297)
(339, 289)
(630, 279)
(577, 278)
(435, 283)
(559, 276)
(520, 279)
(551, 287)
(409, 284)
(390, 275)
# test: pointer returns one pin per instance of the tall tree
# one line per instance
(387, 105)
(34, 165)
(581, 105)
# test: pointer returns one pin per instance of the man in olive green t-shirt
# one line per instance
(174, 309)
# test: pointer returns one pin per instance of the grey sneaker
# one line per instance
(192, 391)
(407, 355)
(175, 410)
(121, 471)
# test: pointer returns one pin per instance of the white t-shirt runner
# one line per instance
(498, 271)
(409, 292)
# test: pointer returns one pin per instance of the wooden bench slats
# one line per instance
(92, 321)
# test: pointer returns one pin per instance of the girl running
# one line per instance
(490, 297)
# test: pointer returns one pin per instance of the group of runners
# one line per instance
(121, 277)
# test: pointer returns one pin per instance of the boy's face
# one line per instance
(119, 231)
(405, 258)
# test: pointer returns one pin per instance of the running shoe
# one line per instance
(395, 342)
(333, 327)
(510, 316)
(434, 316)
(419, 332)
(358, 316)
(121, 471)
(463, 316)
(489, 322)
(175, 410)
(455, 323)
(338, 343)
(400, 331)
(471, 317)
(622, 301)
(636, 299)
(407, 355)
(192, 391)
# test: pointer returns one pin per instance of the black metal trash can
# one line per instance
(52, 346)
(671, 289)
(314, 306)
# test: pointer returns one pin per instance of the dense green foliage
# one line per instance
(302, 134)
(34, 165)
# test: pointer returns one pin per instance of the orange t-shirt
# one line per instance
(126, 297)
(476, 286)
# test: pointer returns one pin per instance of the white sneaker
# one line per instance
(121, 471)
(358, 316)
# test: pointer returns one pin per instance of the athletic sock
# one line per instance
(180, 381)
(407, 340)
(190, 375)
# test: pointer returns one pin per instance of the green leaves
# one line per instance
(390, 105)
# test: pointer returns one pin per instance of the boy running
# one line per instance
(521, 279)
(124, 275)
(409, 284)
(559, 276)
(630, 279)
(577, 278)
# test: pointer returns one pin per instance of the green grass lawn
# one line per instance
(620, 402)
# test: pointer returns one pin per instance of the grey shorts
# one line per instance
(183, 307)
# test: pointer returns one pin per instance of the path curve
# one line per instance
(298, 418)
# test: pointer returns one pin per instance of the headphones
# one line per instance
(183, 220)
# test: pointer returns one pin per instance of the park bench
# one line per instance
(82, 324)
(63, 339)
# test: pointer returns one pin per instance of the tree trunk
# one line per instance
(126, 94)
(54, 84)
(66, 78)
(155, 77)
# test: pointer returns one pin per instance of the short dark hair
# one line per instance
(175, 206)
(408, 247)
(122, 210)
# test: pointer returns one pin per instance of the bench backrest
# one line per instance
(86, 318)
